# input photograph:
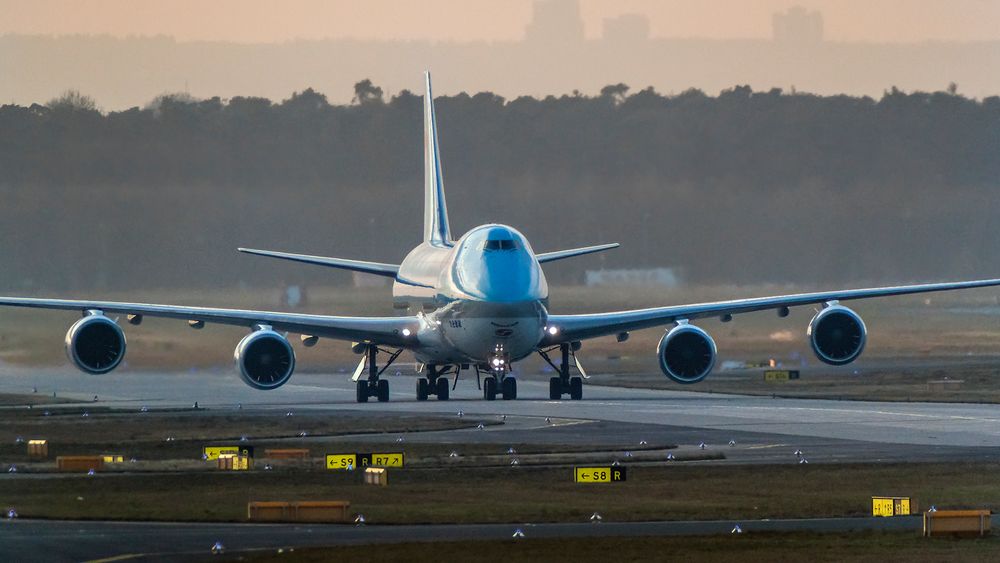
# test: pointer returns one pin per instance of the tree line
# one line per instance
(743, 186)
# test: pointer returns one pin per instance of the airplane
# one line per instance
(480, 301)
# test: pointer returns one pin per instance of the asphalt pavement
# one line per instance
(745, 429)
(52, 540)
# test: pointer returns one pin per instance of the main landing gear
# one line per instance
(563, 384)
(436, 382)
(374, 385)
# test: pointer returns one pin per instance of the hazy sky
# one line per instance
(274, 20)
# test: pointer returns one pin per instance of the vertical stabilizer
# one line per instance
(436, 230)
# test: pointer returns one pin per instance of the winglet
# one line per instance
(436, 230)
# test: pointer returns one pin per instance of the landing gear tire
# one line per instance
(555, 389)
(490, 388)
(382, 391)
(509, 385)
(363, 391)
(422, 389)
(442, 389)
(576, 388)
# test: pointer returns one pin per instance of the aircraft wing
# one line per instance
(579, 327)
(560, 254)
(379, 269)
(380, 330)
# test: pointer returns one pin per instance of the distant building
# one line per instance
(555, 21)
(798, 26)
(650, 277)
(360, 279)
(626, 28)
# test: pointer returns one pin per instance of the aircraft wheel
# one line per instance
(421, 388)
(509, 388)
(490, 388)
(555, 389)
(363, 391)
(442, 389)
(383, 391)
(576, 388)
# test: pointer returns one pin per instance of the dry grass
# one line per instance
(171, 483)
(514, 494)
(145, 435)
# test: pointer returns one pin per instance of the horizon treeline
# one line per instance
(741, 187)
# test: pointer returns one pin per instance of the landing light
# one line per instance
(496, 361)
(406, 332)
(553, 330)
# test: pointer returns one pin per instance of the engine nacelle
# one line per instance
(687, 354)
(264, 359)
(837, 335)
(95, 343)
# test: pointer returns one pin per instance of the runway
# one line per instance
(22, 540)
(918, 428)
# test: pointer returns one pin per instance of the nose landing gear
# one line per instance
(503, 385)
(500, 381)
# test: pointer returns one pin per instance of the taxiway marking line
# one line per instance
(122, 557)
(766, 446)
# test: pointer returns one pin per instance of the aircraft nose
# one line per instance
(500, 276)
(508, 277)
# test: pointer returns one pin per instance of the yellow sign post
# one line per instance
(890, 506)
(381, 460)
(364, 461)
(341, 461)
(212, 453)
(376, 476)
(780, 375)
(232, 462)
(38, 448)
(611, 474)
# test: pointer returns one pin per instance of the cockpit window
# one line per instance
(491, 245)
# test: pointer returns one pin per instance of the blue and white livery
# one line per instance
(479, 302)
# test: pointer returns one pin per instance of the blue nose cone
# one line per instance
(495, 264)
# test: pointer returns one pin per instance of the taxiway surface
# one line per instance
(23, 540)
(764, 427)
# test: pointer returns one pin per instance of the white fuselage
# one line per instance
(483, 296)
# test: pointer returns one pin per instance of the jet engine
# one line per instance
(686, 353)
(264, 359)
(837, 335)
(95, 343)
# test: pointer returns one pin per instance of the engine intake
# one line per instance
(95, 343)
(837, 335)
(265, 359)
(687, 354)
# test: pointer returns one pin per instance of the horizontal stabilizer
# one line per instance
(388, 270)
(559, 255)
